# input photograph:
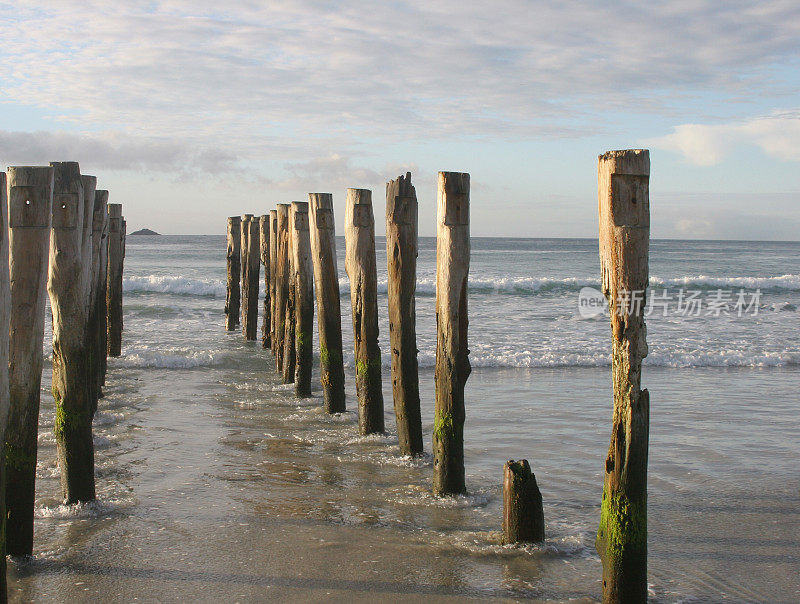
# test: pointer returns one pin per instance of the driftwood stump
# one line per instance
(624, 208)
(30, 202)
(359, 238)
(5, 312)
(523, 515)
(114, 291)
(233, 300)
(401, 255)
(263, 229)
(73, 423)
(273, 260)
(97, 291)
(303, 288)
(329, 314)
(281, 282)
(452, 354)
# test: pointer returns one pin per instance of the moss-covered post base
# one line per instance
(624, 211)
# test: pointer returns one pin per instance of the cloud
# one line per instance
(250, 75)
(778, 135)
(112, 151)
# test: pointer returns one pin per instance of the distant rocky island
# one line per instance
(145, 232)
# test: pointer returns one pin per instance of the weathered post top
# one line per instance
(67, 195)
(89, 192)
(234, 220)
(115, 217)
(30, 196)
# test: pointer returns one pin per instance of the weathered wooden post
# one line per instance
(30, 200)
(624, 209)
(273, 260)
(124, 241)
(289, 350)
(281, 283)
(102, 298)
(401, 255)
(244, 229)
(97, 313)
(73, 423)
(452, 354)
(303, 286)
(233, 299)
(359, 239)
(5, 312)
(329, 313)
(114, 290)
(251, 260)
(523, 515)
(263, 226)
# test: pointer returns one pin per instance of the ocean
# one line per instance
(216, 484)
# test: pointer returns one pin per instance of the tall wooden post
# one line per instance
(251, 260)
(273, 260)
(73, 424)
(263, 226)
(359, 239)
(102, 298)
(30, 200)
(114, 291)
(303, 286)
(523, 514)
(123, 243)
(401, 255)
(97, 314)
(452, 354)
(624, 208)
(233, 299)
(289, 351)
(5, 312)
(329, 314)
(281, 283)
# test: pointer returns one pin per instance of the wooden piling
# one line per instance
(401, 255)
(244, 230)
(359, 238)
(114, 289)
(5, 312)
(303, 287)
(273, 260)
(624, 215)
(523, 515)
(30, 199)
(281, 282)
(102, 299)
(263, 228)
(329, 314)
(97, 310)
(251, 261)
(233, 300)
(289, 349)
(89, 184)
(452, 354)
(73, 423)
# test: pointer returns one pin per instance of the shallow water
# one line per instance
(216, 484)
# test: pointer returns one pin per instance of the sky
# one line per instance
(191, 111)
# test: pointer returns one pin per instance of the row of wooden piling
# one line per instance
(289, 235)
(296, 244)
(58, 235)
